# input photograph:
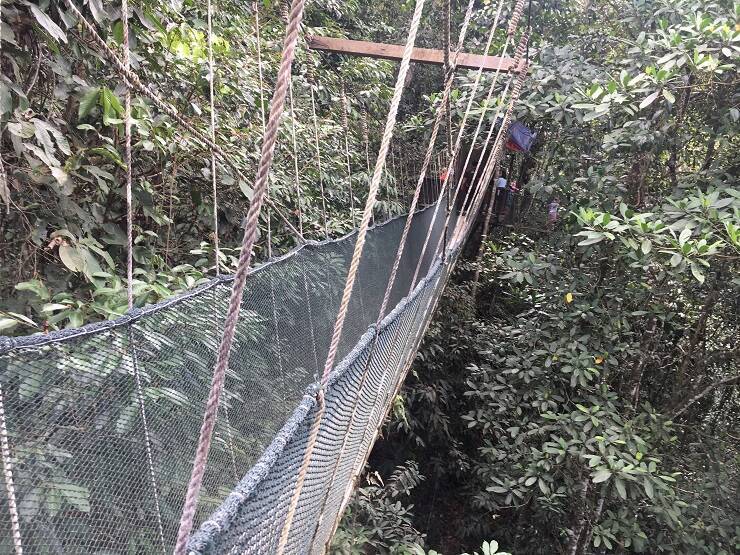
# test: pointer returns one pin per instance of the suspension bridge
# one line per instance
(269, 384)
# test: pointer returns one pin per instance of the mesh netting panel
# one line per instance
(90, 445)
(252, 517)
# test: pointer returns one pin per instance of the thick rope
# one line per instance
(135, 82)
(450, 177)
(463, 227)
(516, 91)
(8, 477)
(258, 40)
(250, 234)
(211, 98)
(483, 183)
(441, 109)
(366, 139)
(354, 266)
(128, 158)
(482, 247)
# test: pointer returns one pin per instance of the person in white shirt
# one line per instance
(500, 194)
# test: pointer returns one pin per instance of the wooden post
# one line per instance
(420, 55)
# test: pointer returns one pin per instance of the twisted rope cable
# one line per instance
(515, 93)
(7, 458)
(211, 98)
(463, 227)
(451, 163)
(258, 40)
(8, 477)
(250, 234)
(135, 82)
(354, 266)
(296, 177)
(366, 138)
(441, 109)
(127, 155)
(495, 153)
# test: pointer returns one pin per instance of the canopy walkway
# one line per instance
(269, 385)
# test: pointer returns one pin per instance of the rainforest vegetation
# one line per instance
(583, 398)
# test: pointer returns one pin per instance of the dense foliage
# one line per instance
(586, 400)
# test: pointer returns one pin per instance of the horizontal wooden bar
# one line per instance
(421, 55)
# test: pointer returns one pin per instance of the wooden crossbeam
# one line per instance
(421, 55)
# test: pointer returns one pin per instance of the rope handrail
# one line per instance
(354, 264)
(250, 235)
(441, 110)
(458, 143)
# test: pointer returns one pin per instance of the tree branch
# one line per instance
(732, 380)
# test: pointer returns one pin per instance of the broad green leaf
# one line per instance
(684, 236)
(696, 272)
(45, 21)
(601, 476)
(649, 100)
(71, 258)
(88, 101)
(621, 489)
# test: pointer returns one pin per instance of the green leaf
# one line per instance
(45, 21)
(246, 189)
(88, 102)
(7, 324)
(649, 100)
(621, 489)
(77, 496)
(530, 481)
(668, 95)
(36, 287)
(71, 258)
(685, 234)
(601, 476)
(646, 246)
(29, 386)
(591, 241)
(647, 484)
(696, 272)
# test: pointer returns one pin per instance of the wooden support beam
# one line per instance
(421, 55)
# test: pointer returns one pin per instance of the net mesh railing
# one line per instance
(78, 448)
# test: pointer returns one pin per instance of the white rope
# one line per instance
(318, 161)
(130, 268)
(354, 266)
(258, 40)
(4, 443)
(451, 163)
(8, 477)
(345, 126)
